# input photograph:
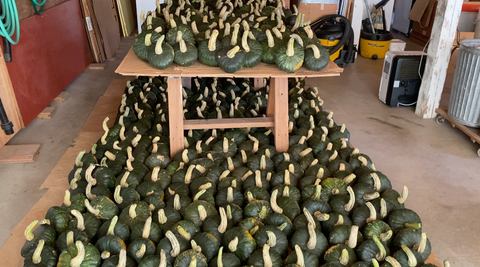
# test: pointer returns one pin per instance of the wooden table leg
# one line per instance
(175, 114)
(280, 90)
(271, 101)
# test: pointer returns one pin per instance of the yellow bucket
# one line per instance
(329, 45)
(375, 45)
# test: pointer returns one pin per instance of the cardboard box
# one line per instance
(315, 11)
(397, 45)
(423, 23)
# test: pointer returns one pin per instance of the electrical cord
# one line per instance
(421, 59)
(9, 22)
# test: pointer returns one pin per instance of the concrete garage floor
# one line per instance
(437, 162)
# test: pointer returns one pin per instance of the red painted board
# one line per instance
(53, 50)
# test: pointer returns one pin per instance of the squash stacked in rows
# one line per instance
(229, 198)
(229, 35)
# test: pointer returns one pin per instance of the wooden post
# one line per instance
(271, 100)
(441, 42)
(281, 112)
(175, 114)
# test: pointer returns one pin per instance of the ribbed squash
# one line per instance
(289, 58)
(317, 57)
(161, 55)
(208, 49)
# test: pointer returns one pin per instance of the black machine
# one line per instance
(336, 34)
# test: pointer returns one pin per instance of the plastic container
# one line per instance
(375, 45)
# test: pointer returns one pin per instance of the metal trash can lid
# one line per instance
(470, 44)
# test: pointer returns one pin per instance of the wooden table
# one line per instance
(277, 109)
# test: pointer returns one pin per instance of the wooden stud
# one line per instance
(61, 97)
(281, 112)
(47, 113)
(19, 153)
(175, 111)
(97, 66)
(433, 80)
(228, 123)
(271, 101)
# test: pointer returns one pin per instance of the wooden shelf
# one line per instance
(228, 123)
(133, 66)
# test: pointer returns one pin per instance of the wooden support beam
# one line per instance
(444, 27)
(62, 97)
(47, 113)
(280, 85)
(175, 111)
(19, 153)
(228, 123)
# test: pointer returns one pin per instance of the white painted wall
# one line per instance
(147, 5)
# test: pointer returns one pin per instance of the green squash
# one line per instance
(135, 213)
(253, 51)
(80, 254)
(341, 254)
(284, 205)
(102, 207)
(405, 218)
(185, 53)
(141, 44)
(310, 239)
(172, 34)
(408, 257)
(395, 198)
(110, 245)
(265, 256)
(42, 255)
(378, 228)
(239, 242)
(256, 193)
(208, 244)
(262, 163)
(258, 209)
(172, 245)
(69, 238)
(364, 192)
(155, 260)
(140, 248)
(273, 237)
(208, 49)
(149, 230)
(258, 180)
(415, 240)
(314, 192)
(280, 221)
(114, 227)
(166, 218)
(317, 57)
(372, 249)
(159, 159)
(120, 260)
(59, 218)
(125, 196)
(289, 57)
(251, 225)
(43, 232)
(230, 58)
(334, 186)
(269, 48)
(229, 195)
(343, 204)
(161, 55)
(148, 188)
(102, 175)
(225, 260)
(301, 258)
(185, 229)
(198, 211)
(179, 202)
(377, 179)
(364, 214)
(191, 258)
(345, 234)
(202, 184)
(85, 222)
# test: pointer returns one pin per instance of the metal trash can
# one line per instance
(464, 106)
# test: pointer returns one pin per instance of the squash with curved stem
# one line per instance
(310, 239)
(273, 237)
(110, 245)
(43, 232)
(69, 238)
(208, 49)
(166, 218)
(230, 58)
(253, 51)
(258, 180)
(140, 248)
(340, 253)
(256, 193)
(264, 256)
(284, 205)
(407, 257)
(161, 55)
(172, 245)
(289, 58)
(229, 195)
(415, 240)
(175, 28)
(102, 207)
(185, 229)
(364, 192)
(121, 260)
(191, 258)
(395, 198)
(42, 255)
(269, 48)
(85, 222)
(185, 53)
(141, 44)
(372, 249)
(225, 260)
(378, 228)
(239, 242)
(80, 255)
(74, 202)
(149, 230)
(207, 243)
(345, 234)
(135, 213)
(301, 258)
(198, 211)
(317, 57)
(405, 218)
(258, 209)
(155, 260)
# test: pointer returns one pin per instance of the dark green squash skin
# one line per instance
(107, 207)
(227, 64)
(192, 214)
(105, 177)
(48, 256)
(228, 259)
(206, 56)
(310, 259)
(139, 46)
(398, 219)
(287, 63)
(188, 57)
(184, 259)
(59, 218)
(172, 215)
(280, 220)
(261, 238)
(142, 210)
(301, 237)
(312, 63)
(42, 232)
(341, 233)
(92, 224)
(209, 244)
(187, 34)
(165, 245)
(92, 256)
(113, 262)
(136, 244)
(333, 254)
(121, 230)
(368, 250)
(254, 56)
(155, 232)
(257, 192)
(163, 60)
(61, 242)
(110, 243)
(246, 243)
(129, 196)
(254, 209)
(411, 238)
(256, 259)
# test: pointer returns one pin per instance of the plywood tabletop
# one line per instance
(133, 66)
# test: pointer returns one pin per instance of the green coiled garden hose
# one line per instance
(35, 4)
(9, 23)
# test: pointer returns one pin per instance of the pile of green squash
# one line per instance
(229, 34)
(229, 198)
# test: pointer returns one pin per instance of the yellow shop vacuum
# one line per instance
(375, 45)
(336, 35)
